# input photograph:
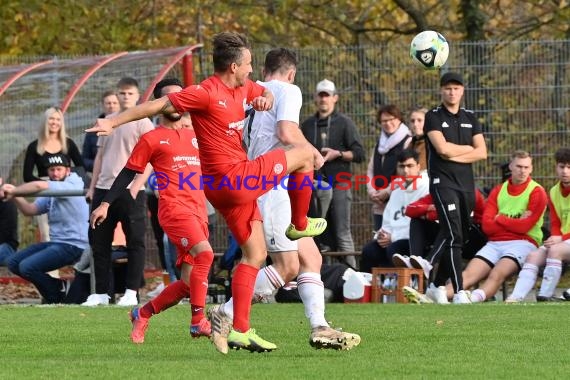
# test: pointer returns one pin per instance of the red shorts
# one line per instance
(235, 194)
(184, 231)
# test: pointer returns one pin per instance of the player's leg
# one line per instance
(504, 268)
(556, 255)
(528, 274)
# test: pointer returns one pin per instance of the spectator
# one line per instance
(110, 105)
(67, 218)
(393, 238)
(418, 142)
(455, 140)
(52, 139)
(8, 228)
(112, 154)
(335, 135)
(556, 248)
(395, 136)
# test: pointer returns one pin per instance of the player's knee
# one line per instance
(204, 258)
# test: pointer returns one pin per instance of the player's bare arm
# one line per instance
(263, 102)
(478, 153)
(446, 149)
(104, 127)
(289, 133)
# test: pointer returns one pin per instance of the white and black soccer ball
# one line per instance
(429, 49)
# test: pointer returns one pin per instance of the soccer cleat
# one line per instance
(140, 325)
(437, 294)
(126, 300)
(96, 299)
(513, 300)
(413, 296)
(203, 328)
(461, 297)
(250, 341)
(329, 338)
(315, 227)
(419, 262)
(548, 299)
(221, 325)
(401, 261)
(566, 295)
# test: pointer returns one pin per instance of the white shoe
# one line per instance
(96, 299)
(126, 300)
(437, 294)
(156, 291)
(401, 261)
(461, 297)
(413, 296)
(419, 262)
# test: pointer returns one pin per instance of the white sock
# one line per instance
(312, 292)
(478, 295)
(525, 282)
(130, 293)
(228, 308)
(550, 277)
(267, 282)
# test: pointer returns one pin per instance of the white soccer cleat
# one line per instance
(413, 296)
(437, 294)
(401, 261)
(419, 262)
(461, 297)
(96, 300)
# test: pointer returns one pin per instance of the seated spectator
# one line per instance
(424, 226)
(67, 220)
(394, 235)
(8, 229)
(556, 248)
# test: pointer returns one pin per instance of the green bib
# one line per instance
(515, 206)
(561, 206)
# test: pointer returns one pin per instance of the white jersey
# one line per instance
(263, 131)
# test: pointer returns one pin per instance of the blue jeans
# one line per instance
(33, 262)
(170, 256)
(6, 251)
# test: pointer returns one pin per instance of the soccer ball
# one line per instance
(429, 49)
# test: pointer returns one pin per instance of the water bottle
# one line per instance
(386, 289)
(393, 284)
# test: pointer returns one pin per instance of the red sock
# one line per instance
(242, 292)
(300, 194)
(199, 284)
(170, 296)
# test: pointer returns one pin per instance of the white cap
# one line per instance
(326, 86)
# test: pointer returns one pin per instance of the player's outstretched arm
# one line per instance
(104, 127)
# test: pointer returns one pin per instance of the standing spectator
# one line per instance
(8, 228)
(52, 139)
(335, 135)
(112, 155)
(455, 141)
(392, 241)
(395, 136)
(67, 218)
(556, 248)
(418, 143)
(216, 107)
(110, 106)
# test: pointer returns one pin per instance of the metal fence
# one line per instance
(520, 91)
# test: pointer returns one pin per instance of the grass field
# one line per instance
(488, 341)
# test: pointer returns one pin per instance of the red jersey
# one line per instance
(173, 153)
(217, 113)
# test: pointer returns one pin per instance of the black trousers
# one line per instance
(131, 213)
(454, 209)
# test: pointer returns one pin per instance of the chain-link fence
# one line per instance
(520, 91)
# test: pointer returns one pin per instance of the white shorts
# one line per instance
(517, 250)
(275, 207)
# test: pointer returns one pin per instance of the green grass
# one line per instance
(489, 341)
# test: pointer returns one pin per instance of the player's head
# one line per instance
(409, 164)
(390, 118)
(520, 166)
(232, 56)
(128, 92)
(562, 158)
(452, 88)
(165, 87)
(281, 61)
(53, 123)
(58, 166)
(110, 102)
